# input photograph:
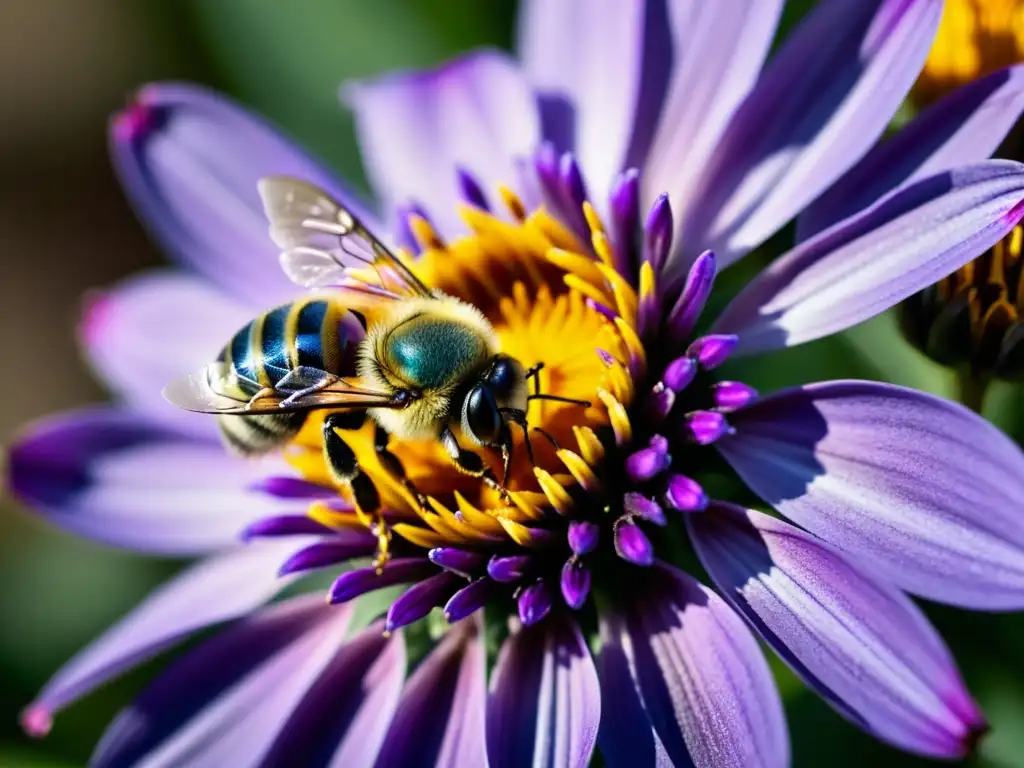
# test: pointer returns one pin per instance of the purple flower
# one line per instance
(642, 153)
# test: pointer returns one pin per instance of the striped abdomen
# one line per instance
(311, 333)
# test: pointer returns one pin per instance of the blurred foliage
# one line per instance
(287, 60)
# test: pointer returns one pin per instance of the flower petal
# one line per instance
(868, 263)
(863, 645)
(189, 160)
(440, 719)
(544, 706)
(587, 65)
(822, 102)
(108, 474)
(153, 328)
(225, 702)
(684, 683)
(346, 714)
(720, 48)
(965, 127)
(417, 129)
(222, 587)
(920, 491)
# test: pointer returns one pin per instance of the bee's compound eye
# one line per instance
(504, 375)
(480, 416)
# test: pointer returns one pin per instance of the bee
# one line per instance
(426, 362)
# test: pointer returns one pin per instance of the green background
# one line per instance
(64, 228)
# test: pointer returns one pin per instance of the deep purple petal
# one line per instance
(822, 102)
(343, 718)
(688, 306)
(919, 491)
(417, 129)
(191, 171)
(964, 127)
(440, 719)
(544, 705)
(534, 603)
(225, 702)
(863, 645)
(575, 583)
(587, 97)
(136, 350)
(217, 589)
(110, 475)
(469, 599)
(684, 683)
(876, 259)
(719, 49)
(284, 525)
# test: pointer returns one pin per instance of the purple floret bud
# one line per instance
(575, 583)
(534, 603)
(632, 544)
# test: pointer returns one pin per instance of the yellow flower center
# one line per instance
(539, 287)
(975, 37)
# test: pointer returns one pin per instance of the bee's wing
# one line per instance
(315, 233)
(302, 390)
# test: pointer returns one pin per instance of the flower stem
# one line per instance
(971, 390)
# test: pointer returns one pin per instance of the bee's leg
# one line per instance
(517, 416)
(344, 467)
(471, 464)
(393, 465)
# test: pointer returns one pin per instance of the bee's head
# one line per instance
(502, 386)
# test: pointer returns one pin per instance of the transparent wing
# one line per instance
(319, 237)
(212, 390)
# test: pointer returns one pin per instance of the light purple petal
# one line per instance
(544, 705)
(189, 160)
(225, 702)
(109, 475)
(417, 129)
(586, 64)
(684, 683)
(222, 587)
(822, 102)
(153, 328)
(868, 263)
(440, 720)
(920, 491)
(720, 48)
(862, 644)
(346, 714)
(964, 127)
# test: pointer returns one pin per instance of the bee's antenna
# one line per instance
(558, 399)
(549, 436)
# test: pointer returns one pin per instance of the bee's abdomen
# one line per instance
(308, 333)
